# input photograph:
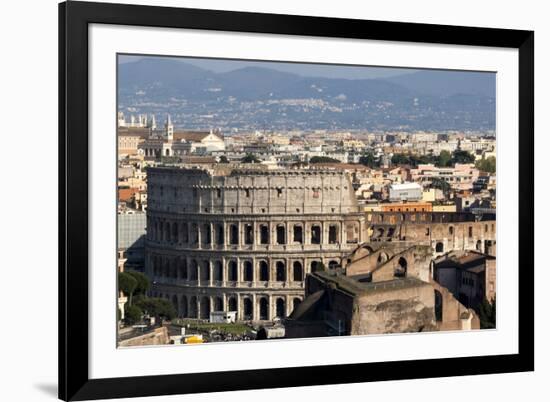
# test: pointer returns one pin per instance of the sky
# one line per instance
(304, 69)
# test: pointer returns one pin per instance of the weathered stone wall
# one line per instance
(450, 313)
(391, 258)
(441, 230)
(409, 309)
(158, 336)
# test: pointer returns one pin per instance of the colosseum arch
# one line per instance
(248, 309)
(316, 234)
(218, 271)
(218, 304)
(194, 234)
(233, 234)
(280, 306)
(168, 232)
(264, 308)
(297, 234)
(175, 303)
(207, 235)
(439, 247)
(184, 233)
(193, 313)
(173, 268)
(333, 234)
(401, 268)
(193, 271)
(298, 271)
(232, 271)
(232, 303)
(205, 270)
(315, 266)
(280, 271)
(174, 232)
(332, 264)
(295, 303)
(264, 271)
(182, 269)
(264, 234)
(219, 234)
(183, 306)
(382, 258)
(248, 271)
(205, 308)
(280, 237)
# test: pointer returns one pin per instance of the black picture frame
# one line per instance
(74, 18)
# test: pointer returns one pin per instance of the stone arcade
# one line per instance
(244, 240)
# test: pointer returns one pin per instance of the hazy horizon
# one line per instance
(302, 69)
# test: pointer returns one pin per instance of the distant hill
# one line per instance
(419, 100)
(447, 83)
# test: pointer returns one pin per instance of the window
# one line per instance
(264, 234)
(470, 232)
(280, 271)
(264, 271)
(280, 234)
(316, 234)
(427, 231)
(451, 230)
(401, 269)
(248, 234)
(298, 275)
(247, 193)
(248, 274)
(207, 234)
(233, 234)
(219, 193)
(297, 234)
(279, 192)
(333, 234)
(232, 271)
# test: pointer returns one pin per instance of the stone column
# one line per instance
(210, 272)
(255, 308)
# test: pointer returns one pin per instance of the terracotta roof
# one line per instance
(126, 194)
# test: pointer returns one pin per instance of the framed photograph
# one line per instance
(259, 201)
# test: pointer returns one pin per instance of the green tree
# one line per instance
(444, 159)
(158, 307)
(323, 159)
(143, 283)
(127, 284)
(400, 159)
(487, 314)
(441, 185)
(460, 156)
(488, 165)
(132, 315)
(368, 160)
(250, 158)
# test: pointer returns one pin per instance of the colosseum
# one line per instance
(244, 240)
